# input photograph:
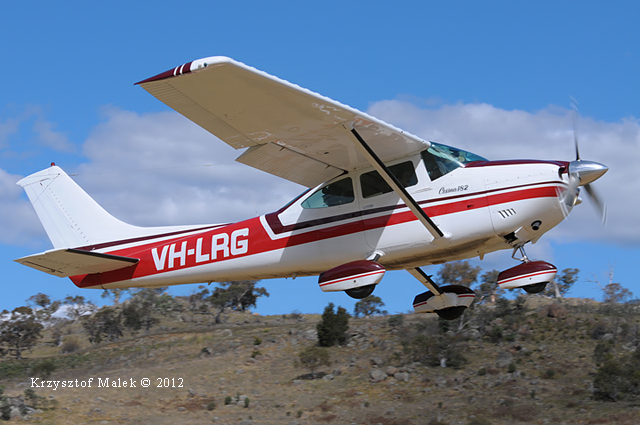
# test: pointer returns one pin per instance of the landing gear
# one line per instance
(448, 302)
(451, 313)
(532, 276)
(536, 288)
(361, 292)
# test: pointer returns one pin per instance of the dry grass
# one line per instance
(432, 395)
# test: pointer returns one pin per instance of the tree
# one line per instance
(116, 294)
(313, 357)
(615, 293)
(106, 323)
(198, 302)
(43, 307)
(563, 282)
(458, 273)
(369, 306)
(243, 294)
(235, 295)
(488, 290)
(333, 327)
(77, 306)
(40, 299)
(20, 331)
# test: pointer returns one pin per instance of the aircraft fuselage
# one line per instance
(481, 207)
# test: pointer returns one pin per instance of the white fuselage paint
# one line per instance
(475, 207)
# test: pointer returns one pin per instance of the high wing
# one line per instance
(289, 131)
(72, 262)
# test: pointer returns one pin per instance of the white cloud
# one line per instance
(162, 169)
(48, 137)
(547, 134)
(42, 131)
(18, 222)
(7, 128)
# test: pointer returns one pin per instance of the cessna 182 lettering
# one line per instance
(379, 199)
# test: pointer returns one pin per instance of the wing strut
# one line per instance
(425, 279)
(395, 184)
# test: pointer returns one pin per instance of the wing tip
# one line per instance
(187, 68)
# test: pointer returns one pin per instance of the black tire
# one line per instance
(536, 288)
(361, 292)
(451, 313)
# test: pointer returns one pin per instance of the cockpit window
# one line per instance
(336, 193)
(442, 159)
(373, 184)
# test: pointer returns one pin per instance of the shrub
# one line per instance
(440, 350)
(44, 369)
(618, 379)
(70, 345)
(603, 352)
(396, 321)
(333, 327)
(313, 357)
(479, 421)
(211, 405)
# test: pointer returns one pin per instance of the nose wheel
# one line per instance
(532, 276)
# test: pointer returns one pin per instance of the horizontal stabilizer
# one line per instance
(72, 262)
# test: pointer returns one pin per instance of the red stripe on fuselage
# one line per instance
(258, 241)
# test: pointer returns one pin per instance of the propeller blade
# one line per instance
(583, 173)
(599, 204)
(574, 122)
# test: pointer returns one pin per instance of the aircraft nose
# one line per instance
(586, 171)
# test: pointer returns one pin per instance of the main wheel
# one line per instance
(361, 292)
(451, 313)
(535, 288)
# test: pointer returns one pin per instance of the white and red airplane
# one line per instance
(379, 199)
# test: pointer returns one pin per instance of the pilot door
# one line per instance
(331, 218)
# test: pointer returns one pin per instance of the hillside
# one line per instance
(530, 363)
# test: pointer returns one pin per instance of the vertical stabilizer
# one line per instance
(69, 215)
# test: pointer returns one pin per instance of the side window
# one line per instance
(336, 193)
(373, 184)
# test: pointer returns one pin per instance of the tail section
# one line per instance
(69, 215)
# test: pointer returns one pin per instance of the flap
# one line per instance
(245, 107)
(73, 262)
(290, 165)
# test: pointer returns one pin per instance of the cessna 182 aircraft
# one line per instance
(379, 199)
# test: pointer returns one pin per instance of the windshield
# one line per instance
(442, 159)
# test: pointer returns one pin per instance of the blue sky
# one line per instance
(490, 77)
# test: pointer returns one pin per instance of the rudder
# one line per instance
(68, 214)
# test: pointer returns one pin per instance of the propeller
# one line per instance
(583, 173)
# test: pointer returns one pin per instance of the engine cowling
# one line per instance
(449, 305)
(532, 276)
(350, 276)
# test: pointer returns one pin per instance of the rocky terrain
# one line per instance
(538, 369)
